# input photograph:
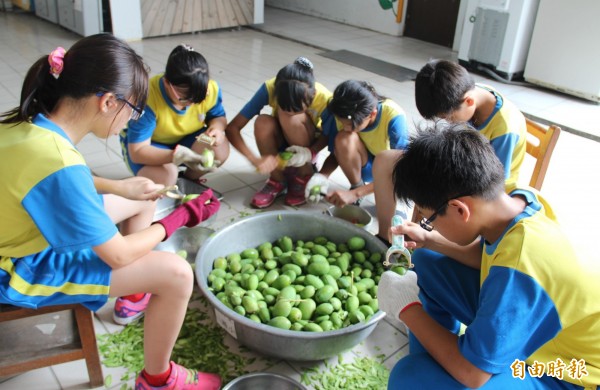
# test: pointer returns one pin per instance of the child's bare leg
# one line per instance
(169, 278)
(299, 130)
(385, 200)
(131, 215)
(269, 138)
(351, 155)
(162, 174)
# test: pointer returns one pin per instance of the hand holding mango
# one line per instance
(283, 158)
(300, 156)
(199, 162)
(316, 188)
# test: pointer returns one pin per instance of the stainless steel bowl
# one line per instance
(263, 380)
(253, 231)
(188, 239)
(353, 214)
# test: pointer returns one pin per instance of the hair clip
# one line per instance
(187, 47)
(55, 59)
(304, 62)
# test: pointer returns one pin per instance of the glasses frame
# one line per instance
(136, 112)
(425, 223)
(179, 99)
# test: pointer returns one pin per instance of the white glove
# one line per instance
(301, 156)
(193, 160)
(396, 292)
(316, 188)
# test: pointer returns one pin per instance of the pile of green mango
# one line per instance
(313, 285)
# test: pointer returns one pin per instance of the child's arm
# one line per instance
(134, 188)
(399, 297)
(442, 345)
(233, 131)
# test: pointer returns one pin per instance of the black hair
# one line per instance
(444, 161)
(295, 86)
(440, 88)
(187, 68)
(97, 63)
(354, 100)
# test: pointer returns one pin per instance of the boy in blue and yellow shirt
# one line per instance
(531, 308)
(446, 90)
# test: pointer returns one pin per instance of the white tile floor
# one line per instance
(240, 60)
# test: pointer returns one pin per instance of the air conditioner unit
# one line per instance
(496, 36)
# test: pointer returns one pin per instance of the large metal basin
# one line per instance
(268, 226)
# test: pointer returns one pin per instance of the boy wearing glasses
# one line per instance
(531, 308)
(446, 90)
(182, 104)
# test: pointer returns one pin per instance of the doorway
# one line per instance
(432, 20)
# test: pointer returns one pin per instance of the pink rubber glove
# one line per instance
(191, 213)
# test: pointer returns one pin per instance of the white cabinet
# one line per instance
(47, 9)
(81, 16)
(565, 49)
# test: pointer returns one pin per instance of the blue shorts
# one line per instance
(186, 141)
(49, 278)
(366, 172)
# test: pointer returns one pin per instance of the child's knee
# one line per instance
(346, 141)
(179, 275)
(265, 126)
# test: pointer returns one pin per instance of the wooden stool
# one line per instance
(47, 336)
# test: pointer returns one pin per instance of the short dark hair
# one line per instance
(188, 68)
(445, 160)
(97, 63)
(295, 86)
(354, 100)
(440, 88)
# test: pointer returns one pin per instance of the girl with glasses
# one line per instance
(183, 103)
(58, 241)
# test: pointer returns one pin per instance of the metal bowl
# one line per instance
(353, 214)
(188, 239)
(263, 380)
(269, 226)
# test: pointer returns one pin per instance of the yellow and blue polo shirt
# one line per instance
(538, 302)
(52, 216)
(507, 131)
(266, 96)
(165, 124)
(388, 131)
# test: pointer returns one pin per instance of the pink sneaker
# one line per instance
(182, 378)
(295, 194)
(126, 312)
(266, 196)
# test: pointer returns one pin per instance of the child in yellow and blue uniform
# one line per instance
(532, 309)
(359, 124)
(182, 104)
(445, 90)
(58, 242)
(297, 102)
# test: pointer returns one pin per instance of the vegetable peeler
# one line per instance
(397, 254)
(171, 192)
(206, 139)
